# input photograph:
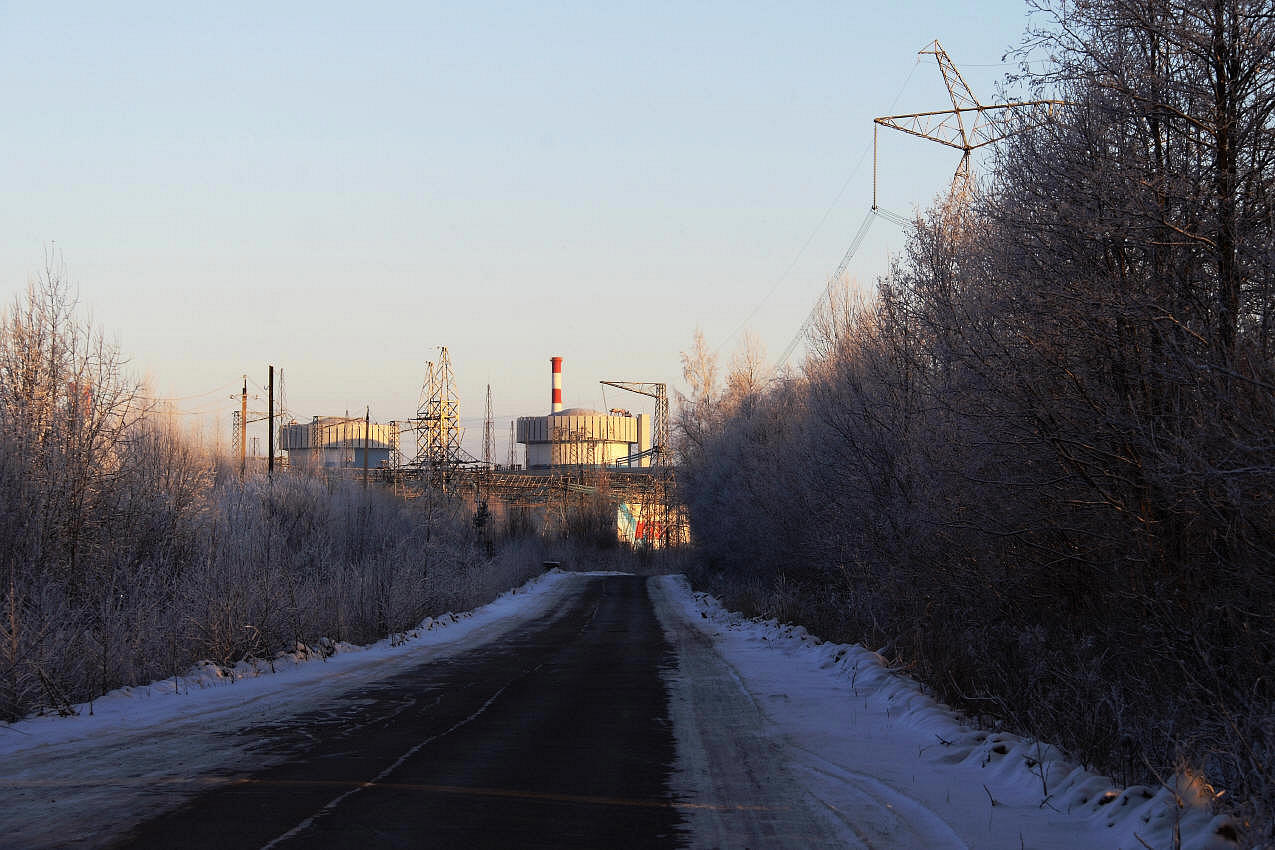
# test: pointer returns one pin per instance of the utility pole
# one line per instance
(243, 430)
(488, 432)
(367, 428)
(270, 425)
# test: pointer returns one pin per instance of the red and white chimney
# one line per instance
(556, 363)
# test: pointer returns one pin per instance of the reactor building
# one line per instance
(577, 436)
(328, 442)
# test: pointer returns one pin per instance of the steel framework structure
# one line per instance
(437, 423)
(660, 424)
(967, 126)
(657, 507)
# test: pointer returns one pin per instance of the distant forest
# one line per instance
(1036, 465)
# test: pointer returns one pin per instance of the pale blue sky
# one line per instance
(339, 189)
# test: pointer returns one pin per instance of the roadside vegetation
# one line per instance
(129, 550)
(1036, 466)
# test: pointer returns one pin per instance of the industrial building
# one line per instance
(579, 436)
(328, 442)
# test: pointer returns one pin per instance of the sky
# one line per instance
(338, 190)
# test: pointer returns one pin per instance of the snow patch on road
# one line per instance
(865, 739)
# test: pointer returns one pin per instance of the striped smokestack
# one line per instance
(556, 363)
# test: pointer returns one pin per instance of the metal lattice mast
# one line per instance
(437, 422)
(444, 413)
(513, 457)
(437, 425)
(420, 422)
(967, 126)
(396, 456)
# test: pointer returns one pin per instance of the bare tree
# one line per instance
(696, 412)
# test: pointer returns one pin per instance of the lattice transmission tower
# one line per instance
(437, 421)
(967, 126)
(418, 423)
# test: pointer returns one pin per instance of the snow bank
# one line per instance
(208, 687)
(136, 752)
(849, 719)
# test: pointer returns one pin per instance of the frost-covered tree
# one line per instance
(1038, 465)
(697, 411)
(128, 550)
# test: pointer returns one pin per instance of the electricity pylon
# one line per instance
(437, 422)
(967, 126)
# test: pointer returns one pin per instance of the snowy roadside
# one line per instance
(73, 781)
(889, 761)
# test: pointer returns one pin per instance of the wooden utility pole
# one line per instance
(270, 425)
(367, 429)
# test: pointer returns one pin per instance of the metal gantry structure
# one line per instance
(659, 520)
(660, 444)
(967, 126)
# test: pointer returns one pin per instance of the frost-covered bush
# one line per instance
(127, 552)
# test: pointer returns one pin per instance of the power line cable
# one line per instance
(220, 389)
(209, 412)
(818, 226)
(892, 217)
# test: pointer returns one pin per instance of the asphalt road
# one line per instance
(556, 736)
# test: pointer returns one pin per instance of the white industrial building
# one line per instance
(578, 436)
(328, 442)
